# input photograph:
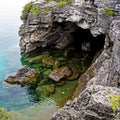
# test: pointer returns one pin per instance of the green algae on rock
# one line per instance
(45, 90)
(4, 115)
(64, 92)
(48, 61)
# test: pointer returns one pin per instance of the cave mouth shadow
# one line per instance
(82, 39)
(85, 41)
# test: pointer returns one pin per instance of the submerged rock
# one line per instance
(24, 76)
(60, 73)
(45, 90)
(46, 62)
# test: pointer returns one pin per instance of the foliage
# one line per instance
(27, 8)
(108, 11)
(35, 10)
(48, 0)
(94, 91)
(47, 10)
(62, 3)
(115, 102)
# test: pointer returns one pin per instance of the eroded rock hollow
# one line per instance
(82, 25)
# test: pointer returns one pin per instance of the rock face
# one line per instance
(60, 73)
(55, 25)
(24, 76)
(94, 103)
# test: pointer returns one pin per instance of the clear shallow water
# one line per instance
(11, 97)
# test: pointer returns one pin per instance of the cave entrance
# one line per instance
(80, 39)
(84, 41)
(61, 64)
(88, 47)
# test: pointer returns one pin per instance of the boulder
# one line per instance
(60, 73)
(24, 76)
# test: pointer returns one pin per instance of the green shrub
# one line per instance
(27, 8)
(35, 10)
(25, 13)
(94, 91)
(47, 11)
(108, 11)
(62, 3)
(49, 0)
(115, 102)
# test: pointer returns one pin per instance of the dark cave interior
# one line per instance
(84, 40)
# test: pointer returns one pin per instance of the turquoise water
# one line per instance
(11, 96)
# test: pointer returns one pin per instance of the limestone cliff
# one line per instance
(49, 22)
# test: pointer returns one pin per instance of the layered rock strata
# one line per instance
(55, 25)
(24, 76)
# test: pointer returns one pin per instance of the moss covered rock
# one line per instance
(58, 74)
(45, 90)
(4, 115)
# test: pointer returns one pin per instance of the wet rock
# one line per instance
(60, 83)
(45, 59)
(60, 73)
(24, 76)
(45, 90)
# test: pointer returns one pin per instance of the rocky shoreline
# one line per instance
(83, 25)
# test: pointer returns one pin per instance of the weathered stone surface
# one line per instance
(94, 103)
(60, 73)
(24, 76)
(45, 30)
